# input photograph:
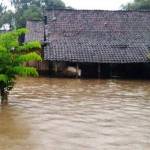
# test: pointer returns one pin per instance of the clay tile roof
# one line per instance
(72, 50)
(97, 36)
(36, 31)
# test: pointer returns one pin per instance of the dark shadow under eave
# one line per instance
(105, 70)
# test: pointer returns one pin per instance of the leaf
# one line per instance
(29, 57)
(2, 49)
(30, 46)
(22, 31)
(9, 40)
(25, 71)
(3, 78)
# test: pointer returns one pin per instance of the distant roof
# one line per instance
(36, 30)
(97, 36)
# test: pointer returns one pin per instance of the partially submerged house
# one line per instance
(98, 43)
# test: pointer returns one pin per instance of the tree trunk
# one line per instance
(4, 96)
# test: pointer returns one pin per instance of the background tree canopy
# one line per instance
(138, 5)
(3, 14)
(27, 10)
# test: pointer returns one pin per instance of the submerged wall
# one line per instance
(92, 70)
(42, 67)
(95, 70)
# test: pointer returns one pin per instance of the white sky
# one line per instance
(96, 4)
(90, 4)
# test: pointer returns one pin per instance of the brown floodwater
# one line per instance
(73, 114)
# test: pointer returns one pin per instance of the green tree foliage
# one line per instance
(13, 56)
(27, 10)
(49, 4)
(2, 14)
(138, 5)
(31, 13)
(6, 17)
(2, 8)
(33, 9)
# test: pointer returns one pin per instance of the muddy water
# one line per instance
(67, 114)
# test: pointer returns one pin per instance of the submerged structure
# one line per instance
(94, 43)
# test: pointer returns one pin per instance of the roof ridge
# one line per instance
(98, 10)
(35, 20)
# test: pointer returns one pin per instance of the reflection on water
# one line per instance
(68, 114)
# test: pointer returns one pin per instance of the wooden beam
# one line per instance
(111, 73)
(55, 67)
(77, 70)
(99, 70)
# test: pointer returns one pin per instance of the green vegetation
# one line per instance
(13, 56)
(27, 10)
(138, 5)
(33, 9)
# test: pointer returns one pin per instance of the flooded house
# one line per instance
(93, 43)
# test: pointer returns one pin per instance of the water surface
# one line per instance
(70, 114)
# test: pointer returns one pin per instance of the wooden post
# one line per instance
(55, 67)
(38, 66)
(4, 96)
(111, 74)
(50, 67)
(99, 70)
(77, 70)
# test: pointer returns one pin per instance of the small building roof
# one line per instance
(36, 31)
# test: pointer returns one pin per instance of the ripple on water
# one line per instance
(66, 114)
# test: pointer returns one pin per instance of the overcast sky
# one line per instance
(90, 4)
(96, 4)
